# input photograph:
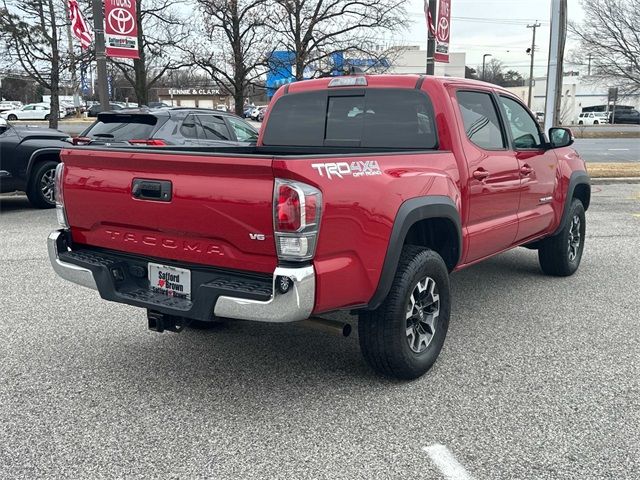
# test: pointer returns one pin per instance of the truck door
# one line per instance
(537, 167)
(493, 176)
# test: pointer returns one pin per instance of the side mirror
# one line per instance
(560, 137)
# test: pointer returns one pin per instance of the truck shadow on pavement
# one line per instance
(265, 356)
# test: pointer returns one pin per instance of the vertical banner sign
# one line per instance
(121, 28)
(85, 87)
(443, 32)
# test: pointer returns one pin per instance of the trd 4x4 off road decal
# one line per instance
(341, 169)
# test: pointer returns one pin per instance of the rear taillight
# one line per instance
(296, 218)
(81, 140)
(152, 142)
(59, 192)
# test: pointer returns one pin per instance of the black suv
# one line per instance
(169, 126)
(28, 160)
(626, 115)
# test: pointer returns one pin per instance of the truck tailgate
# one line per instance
(219, 213)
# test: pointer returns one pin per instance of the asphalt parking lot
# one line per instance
(539, 377)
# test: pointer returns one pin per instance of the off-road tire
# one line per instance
(554, 253)
(35, 193)
(383, 332)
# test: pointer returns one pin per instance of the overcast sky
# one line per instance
(497, 27)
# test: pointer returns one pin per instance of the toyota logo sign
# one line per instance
(121, 28)
(121, 21)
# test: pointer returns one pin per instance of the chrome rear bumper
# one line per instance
(294, 305)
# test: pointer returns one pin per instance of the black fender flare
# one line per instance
(33, 159)
(411, 212)
(579, 177)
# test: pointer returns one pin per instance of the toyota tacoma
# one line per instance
(362, 194)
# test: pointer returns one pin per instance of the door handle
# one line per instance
(480, 174)
(526, 169)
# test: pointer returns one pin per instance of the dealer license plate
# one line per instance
(171, 281)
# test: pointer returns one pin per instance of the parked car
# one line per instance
(4, 106)
(95, 109)
(28, 159)
(627, 115)
(158, 105)
(256, 111)
(362, 195)
(32, 111)
(170, 126)
(592, 118)
(247, 111)
(222, 108)
(261, 114)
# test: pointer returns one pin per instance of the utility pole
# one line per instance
(533, 50)
(556, 59)
(431, 42)
(101, 58)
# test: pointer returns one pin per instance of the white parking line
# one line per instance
(442, 458)
(618, 149)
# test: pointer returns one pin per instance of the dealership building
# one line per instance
(202, 97)
(578, 92)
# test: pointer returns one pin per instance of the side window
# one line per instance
(191, 128)
(29, 107)
(244, 133)
(214, 128)
(480, 120)
(523, 128)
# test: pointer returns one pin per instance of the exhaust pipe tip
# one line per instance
(333, 327)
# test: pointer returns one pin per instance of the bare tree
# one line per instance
(316, 30)
(161, 34)
(237, 42)
(493, 71)
(31, 30)
(610, 33)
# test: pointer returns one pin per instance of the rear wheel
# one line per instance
(46, 117)
(403, 337)
(41, 188)
(595, 122)
(560, 255)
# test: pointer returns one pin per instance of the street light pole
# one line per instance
(533, 50)
(101, 58)
(484, 59)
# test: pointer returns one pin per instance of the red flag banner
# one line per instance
(121, 28)
(79, 26)
(443, 32)
(427, 16)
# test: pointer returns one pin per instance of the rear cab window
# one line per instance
(123, 127)
(366, 118)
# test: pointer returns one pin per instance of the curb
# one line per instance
(614, 180)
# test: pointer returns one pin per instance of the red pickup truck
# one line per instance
(362, 194)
